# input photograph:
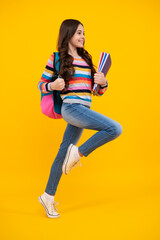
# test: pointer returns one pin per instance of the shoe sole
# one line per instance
(66, 159)
(43, 204)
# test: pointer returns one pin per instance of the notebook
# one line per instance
(103, 66)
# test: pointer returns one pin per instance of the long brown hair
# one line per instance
(66, 69)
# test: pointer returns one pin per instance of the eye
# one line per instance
(80, 33)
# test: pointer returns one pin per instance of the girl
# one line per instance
(78, 76)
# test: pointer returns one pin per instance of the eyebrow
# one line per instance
(81, 31)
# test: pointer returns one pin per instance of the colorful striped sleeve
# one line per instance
(47, 76)
(102, 89)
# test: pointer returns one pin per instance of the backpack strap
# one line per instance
(56, 93)
(56, 65)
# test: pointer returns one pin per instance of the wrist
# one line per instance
(104, 85)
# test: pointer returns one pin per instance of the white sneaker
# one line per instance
(70, 160)
(50, 208)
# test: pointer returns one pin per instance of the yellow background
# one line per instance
(116, 192)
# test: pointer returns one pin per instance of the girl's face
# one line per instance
(78, 38)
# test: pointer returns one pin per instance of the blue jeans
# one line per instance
(78, 118)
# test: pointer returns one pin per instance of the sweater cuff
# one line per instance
(48, 87)
(104, 85)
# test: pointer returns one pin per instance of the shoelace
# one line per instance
(77, 163)
(54, 204)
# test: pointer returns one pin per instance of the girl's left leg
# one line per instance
(72, 135)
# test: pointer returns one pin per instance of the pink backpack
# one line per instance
(51, 102)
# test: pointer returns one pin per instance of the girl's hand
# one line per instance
(99, 78)
(58, 84)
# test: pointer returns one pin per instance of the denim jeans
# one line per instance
(78, 118)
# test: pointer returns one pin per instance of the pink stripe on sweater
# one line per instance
(80, 63)
(76, 88)
(50, 65)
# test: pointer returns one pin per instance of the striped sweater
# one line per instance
(80, 86)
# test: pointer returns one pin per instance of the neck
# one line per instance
(72, 51)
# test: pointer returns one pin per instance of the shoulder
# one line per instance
(51, 58)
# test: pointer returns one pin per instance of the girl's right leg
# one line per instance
(83, 117)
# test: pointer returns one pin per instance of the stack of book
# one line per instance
(103, 66)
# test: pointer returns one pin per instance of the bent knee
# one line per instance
(119, 130)
(116, 130)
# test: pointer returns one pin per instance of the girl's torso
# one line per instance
(80, 85)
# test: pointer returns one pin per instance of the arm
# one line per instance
(45, 81)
